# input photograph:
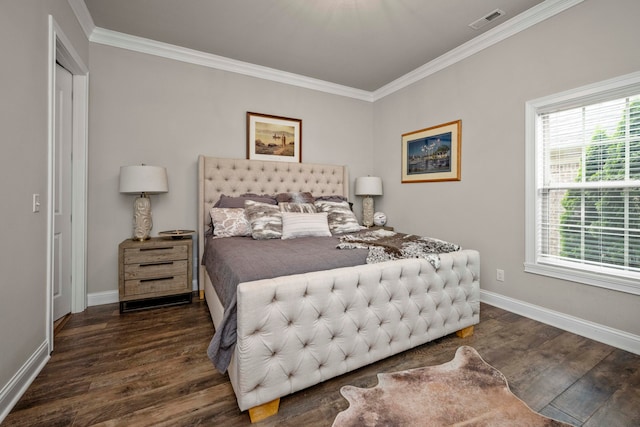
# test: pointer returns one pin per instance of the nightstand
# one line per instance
(154, 272)
(381, 227)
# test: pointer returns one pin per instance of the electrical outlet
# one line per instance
(500, 275)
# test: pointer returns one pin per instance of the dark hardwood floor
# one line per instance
(150, 368)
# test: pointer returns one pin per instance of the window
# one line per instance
(583, 185)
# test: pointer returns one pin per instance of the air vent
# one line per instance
(491, 16)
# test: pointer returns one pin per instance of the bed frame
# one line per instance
(297, 331)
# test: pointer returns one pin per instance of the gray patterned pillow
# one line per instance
(341, 218)
(238, 201)
(332, 198)
(297, 207)
(301, 197)
(265, 220)
(229, 222)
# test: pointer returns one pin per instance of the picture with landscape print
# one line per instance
(274, 138)
(432, 154)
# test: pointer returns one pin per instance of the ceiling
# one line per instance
(361, 44)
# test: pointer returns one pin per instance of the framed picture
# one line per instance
(274, 138)
(432, 154)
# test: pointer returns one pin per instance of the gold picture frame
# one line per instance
(432, 154)
(274, 138)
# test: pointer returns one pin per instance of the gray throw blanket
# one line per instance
(385, 245)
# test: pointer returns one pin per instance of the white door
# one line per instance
(62, 194)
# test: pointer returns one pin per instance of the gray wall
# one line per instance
(146, 109)
(590, 42)
(24, 32)
(157, 111)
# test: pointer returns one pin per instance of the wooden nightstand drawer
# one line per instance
(157, 287)
(154, 272)
(166, 252)
(151, 270)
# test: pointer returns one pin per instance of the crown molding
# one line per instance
(165, 50)
(519, 23)
(513, 26)
(83, 16)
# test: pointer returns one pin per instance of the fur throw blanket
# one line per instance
(385, 245)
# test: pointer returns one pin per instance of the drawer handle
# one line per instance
(151, 264)
(159, 248)
(156, 280)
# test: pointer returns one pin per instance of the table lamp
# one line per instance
(143, 180)
(368, 186)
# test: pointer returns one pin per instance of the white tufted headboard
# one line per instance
(232, 177)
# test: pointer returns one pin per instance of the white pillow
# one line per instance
(296, 224)
(229, 222)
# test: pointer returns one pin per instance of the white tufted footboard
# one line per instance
(296, 331)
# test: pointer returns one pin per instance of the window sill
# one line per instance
(616, 283)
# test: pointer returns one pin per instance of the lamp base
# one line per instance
(142, 223)
(367, 211)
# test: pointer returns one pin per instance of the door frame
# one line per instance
(61, 50)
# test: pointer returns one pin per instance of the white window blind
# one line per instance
(586, 186)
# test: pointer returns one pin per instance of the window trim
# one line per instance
(592, 93)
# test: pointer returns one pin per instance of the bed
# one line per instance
(297, 330)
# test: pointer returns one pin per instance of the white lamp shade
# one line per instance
(143, 179)
(368, 186)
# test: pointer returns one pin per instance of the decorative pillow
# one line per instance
(341, 218)
(265, 220)
(238, 201)
(297, 207)
(332, 198)
(295, 197)
(229, 222)
(295, 224)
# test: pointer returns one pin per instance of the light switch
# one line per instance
(36, 203)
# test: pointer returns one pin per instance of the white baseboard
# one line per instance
(100, 298)
(17, 386)
(585, 328)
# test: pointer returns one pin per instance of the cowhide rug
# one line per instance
(463, 392)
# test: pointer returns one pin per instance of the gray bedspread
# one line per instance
(233, 260)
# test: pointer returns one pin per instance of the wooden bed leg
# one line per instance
(466, 332)
(259, 413)
(202, 294)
